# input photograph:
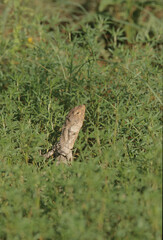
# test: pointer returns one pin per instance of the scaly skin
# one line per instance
(70, 131)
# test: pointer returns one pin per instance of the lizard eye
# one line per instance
(78, 113)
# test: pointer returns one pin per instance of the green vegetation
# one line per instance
(55, 55)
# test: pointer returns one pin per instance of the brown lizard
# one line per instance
(70, 131)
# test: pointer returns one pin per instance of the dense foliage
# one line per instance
(56, 55)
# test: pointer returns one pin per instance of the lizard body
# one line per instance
(69, 134)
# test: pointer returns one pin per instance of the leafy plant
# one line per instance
(108, 56)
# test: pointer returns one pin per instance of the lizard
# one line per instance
(70, 130)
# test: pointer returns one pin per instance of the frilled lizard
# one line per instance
(70, 130)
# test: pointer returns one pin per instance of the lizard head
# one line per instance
(76, 115)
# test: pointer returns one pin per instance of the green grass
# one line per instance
(57, 55)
